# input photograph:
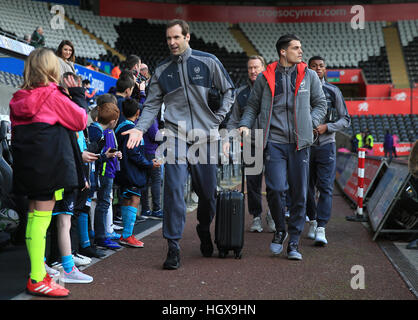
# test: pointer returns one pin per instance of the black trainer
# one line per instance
(293, 252)
(276, 245)
(206, 246)
(173, 259)
(92, 252)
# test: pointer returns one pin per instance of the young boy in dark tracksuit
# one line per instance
(67, 211)
(154, 177)
(125, 86)
(101, 133)
(132, 177)
(82, 205)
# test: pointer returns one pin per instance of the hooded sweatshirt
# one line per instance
(46, 105)
(43, 140)
(133, 165)
(286, 114)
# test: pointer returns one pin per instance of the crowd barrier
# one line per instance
(346, 174)
(387, 192)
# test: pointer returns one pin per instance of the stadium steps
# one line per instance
(243, 41)
(98, 40)
(396, 60)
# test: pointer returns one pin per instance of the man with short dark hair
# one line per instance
(133, 64)
(89, 94)
(124, 88)
(182, 82)
(323, 156)
(291, 104)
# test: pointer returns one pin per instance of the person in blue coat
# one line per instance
(132, 177)
(388, 145)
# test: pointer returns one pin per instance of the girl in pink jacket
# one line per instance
(395, 144)
(43, 122)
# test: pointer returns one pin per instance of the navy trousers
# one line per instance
(254, 199)
(204, 181)
(321, 177)
(153, 181)
(287, 170)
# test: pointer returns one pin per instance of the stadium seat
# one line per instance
(404, 126)
(102, 27)
(10, 79)
(21, 17)
(151, 46)
(408, 31)
(345, 46)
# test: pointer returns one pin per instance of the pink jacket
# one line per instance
(395, 140)
(46, 105)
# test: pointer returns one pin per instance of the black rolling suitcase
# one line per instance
(229, 223)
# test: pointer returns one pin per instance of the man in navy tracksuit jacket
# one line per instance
(255, 65)
(323, 156)
(183, 82)
(290, 104)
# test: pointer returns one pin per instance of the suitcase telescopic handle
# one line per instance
(242, 164)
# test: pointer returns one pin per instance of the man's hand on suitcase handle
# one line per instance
(322, 128)
(225, 148)
(244, 131)
(245, 134)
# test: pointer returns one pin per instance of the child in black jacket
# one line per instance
(132, 176)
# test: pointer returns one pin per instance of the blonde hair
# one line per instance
(41, 68)
(256, 57)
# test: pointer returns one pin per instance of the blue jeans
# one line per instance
(286, 171)
(321, 177)
(104, 193)
(153, 180)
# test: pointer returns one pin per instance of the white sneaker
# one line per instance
(51, 271)
(270, 222)
(320, 239)
(56, 265)
(80, 260)
(116, 227)
(75, 276)
(256, 226)
(312, 229)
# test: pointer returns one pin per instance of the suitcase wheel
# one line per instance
(238, 254)
(223, 253)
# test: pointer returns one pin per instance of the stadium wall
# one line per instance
(400, 103)
(236, 14)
